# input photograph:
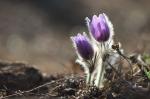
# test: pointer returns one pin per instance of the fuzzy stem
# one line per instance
(88, 78)
(102, 77)
(92, 76)
(99, 73)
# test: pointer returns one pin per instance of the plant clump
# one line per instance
(95, 52)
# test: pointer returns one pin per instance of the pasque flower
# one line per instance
(91, 51)
(83, 46)
(101, 30)
(85, 53)
(99, 27)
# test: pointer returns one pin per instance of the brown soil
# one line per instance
(22, 81)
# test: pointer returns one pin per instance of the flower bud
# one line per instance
(99, 28)
(83, 46)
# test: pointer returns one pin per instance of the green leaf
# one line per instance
(147, 73)
(146, 58)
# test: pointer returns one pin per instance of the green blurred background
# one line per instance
(38, 31)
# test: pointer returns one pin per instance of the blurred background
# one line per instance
(37, 31)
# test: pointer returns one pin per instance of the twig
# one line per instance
(113, 69)
(28, 91)
(120, 76)
(127, 59)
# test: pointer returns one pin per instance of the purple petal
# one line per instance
(83, 46)
(99, 28)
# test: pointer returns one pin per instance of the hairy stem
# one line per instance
(98, 81)
(88, 78)
(102, 76)
(92, 77)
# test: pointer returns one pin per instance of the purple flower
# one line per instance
(99, 28)
(83, 46)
